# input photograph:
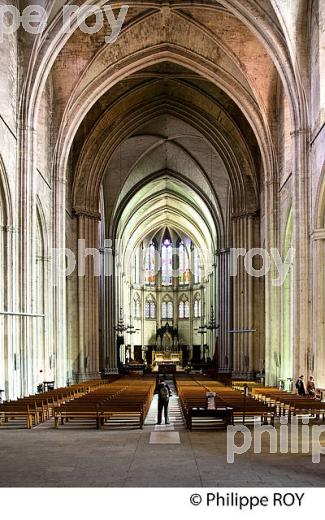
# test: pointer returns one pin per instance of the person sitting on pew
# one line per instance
(164, 394)
(311, 388)
(300, 385)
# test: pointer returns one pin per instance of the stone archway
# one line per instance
(72, 117)
(7, 383)
(316, 360)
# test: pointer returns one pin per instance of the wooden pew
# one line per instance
(14, 411)
(40, 407)
(193, 400)
(124, 403)
(289, 403)
(89, 411)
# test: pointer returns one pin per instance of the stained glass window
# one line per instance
(170, 310)
(164, 310)
(197, 308)
(181, 310)
(166, 263)
(150, 307)
(152, 310)
(184, 272)
(184, 308)
(167, 311)
(150, 266)
(187, 310)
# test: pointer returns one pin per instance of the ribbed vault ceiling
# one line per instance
(170, 153)
(162, 203)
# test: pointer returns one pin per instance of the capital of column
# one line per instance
(223, 251)
(108, 250)
(300, 131)
(245, 214)
(8, 229)
(87, 213)
(318, 234)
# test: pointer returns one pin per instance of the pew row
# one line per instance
(32, 410)
(230, 405)
(124, 404)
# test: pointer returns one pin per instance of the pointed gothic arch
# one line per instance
(319, 214)
(5, 300)
(318, 302)
(150, 307)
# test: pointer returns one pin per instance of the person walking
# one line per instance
(300, 385)
(164, 394)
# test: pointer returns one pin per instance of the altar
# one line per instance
(168, 358)
(167, 349)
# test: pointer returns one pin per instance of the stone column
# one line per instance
(243, 298)
(204, 337)
(111, 311)
(223, 315)
(301, 243)
(211, 294)
(102, 353)
(191, 320)
(9, 325)
(271, 298)
(88, 294)
(26, 269)
(143, 304)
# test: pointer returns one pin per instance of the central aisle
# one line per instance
(175, 416)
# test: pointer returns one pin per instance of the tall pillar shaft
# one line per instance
(225, 355)
(243, 299)
(301, 243)
(88, 295)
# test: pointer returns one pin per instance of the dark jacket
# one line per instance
(160, 386)
(300, 387)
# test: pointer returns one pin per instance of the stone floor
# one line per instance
(74, 457)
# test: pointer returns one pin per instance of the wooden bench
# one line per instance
(41, 407)
(14, 411)
(193, 401)
(289, 403)
(89, 411)
(123, 403)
